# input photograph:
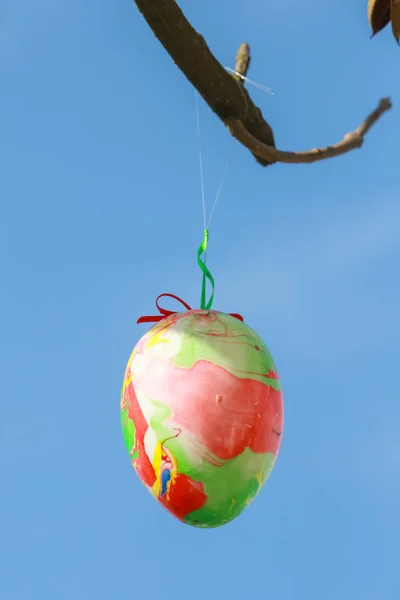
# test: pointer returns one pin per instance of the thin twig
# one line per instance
(242, 63)
(352, 140)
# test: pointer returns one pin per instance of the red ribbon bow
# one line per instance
(167, 313)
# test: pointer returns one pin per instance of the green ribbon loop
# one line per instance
(206, 274)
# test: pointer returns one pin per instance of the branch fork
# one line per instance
(225, 93)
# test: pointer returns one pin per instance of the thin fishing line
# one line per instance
(202, 250)
(203, 201)
(257, 85)
(218, 194)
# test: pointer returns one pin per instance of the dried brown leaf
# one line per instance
(395, 18)
(378, 14)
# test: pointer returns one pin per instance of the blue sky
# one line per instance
(101, 212)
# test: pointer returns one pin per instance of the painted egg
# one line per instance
(202, 415)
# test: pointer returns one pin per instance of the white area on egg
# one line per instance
(145, 404)
(150, 443)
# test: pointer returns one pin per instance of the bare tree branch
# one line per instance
(226, 94)
(191, 54)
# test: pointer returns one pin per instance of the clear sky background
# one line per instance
(101, 211)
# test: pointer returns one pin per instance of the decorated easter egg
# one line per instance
(202, 415)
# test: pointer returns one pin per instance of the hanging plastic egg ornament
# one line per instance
(202, 415)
